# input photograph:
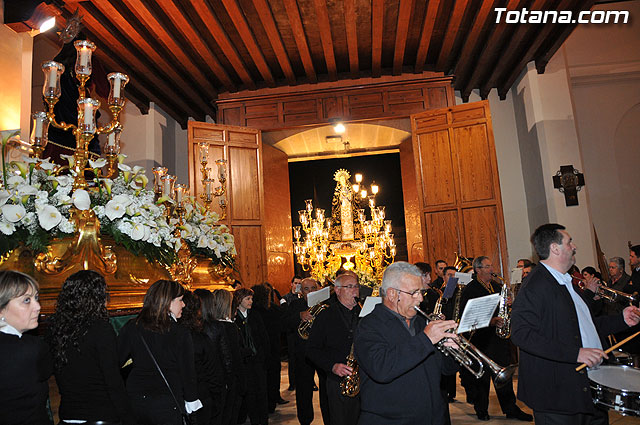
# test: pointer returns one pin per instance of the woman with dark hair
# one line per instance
(216, 312)
(25, 364)
(155, 334)
(209, 371)
(254, 343)
(83, 348)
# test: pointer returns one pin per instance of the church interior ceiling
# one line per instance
(183, 54)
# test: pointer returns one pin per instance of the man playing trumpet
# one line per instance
(330, 343)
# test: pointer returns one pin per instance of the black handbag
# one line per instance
(185, 416)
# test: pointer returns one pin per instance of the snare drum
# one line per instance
(616, 388)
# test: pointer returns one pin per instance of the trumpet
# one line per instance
(613, 295)
(467, 355)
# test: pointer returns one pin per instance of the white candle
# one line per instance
(88, 114)
(207, 187)
(179, 193)
(38, 132)
(53, 76)
(111, 139)
(166, 188)
(84, 57)
(116, 87)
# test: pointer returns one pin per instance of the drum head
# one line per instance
(620, 377)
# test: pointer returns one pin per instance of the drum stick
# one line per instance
(608, 350)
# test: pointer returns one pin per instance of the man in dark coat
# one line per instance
(556, 332)
(400, 366)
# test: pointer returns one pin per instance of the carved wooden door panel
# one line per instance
(458, 185)
(242, 148)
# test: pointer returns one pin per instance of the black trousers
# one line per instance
(155, 410)
(601, 417)
(324, 399)
(291, 358)
(505, 394)
(304, 389)
(273, 381)
(342, 410)
(448, 384)
(255, 401)
(231, 405)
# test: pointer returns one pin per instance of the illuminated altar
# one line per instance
(347, 239)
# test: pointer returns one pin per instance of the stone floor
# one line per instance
(461, 412)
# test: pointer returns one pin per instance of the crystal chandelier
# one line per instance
(348, 239)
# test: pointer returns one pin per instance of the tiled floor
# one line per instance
(461, 412)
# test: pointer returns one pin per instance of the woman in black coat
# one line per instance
(209, 369)
(172, 347)
(25, 364)
(216, 312)
(83, 348)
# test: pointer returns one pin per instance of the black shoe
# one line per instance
(483, 416)
(469, 400)
(451, 399)
(520, 415)
(291, 388)
(315, 387)
(282, 401)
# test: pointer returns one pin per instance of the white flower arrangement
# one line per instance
(35, 207)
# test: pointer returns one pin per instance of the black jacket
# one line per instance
(544, 324)
(400, 373)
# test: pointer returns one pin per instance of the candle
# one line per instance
(38, 128)
(53, 77)
(116, 87)
(84, 56)
(88, 114)
(204, 152)
(207, 187)
(222, 169)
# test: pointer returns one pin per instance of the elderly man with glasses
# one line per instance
(330, 344)
(400, 366)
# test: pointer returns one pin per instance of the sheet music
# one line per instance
(464, 278)
(516, 275)
(317, 297)
(451, 286)
(369, 304)
(478, 313)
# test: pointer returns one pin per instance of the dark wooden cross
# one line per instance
(569, 181)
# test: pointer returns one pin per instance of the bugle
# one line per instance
(467, 355)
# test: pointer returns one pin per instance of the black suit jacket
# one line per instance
(400, 373)
(544, 324)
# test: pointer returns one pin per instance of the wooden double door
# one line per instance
(450, 184)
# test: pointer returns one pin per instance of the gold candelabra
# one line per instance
(209, 191)
(369, 243)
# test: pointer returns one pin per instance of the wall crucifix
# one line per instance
(569, 181)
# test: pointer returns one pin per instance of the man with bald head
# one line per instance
(400, 366)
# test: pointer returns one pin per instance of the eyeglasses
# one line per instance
(349, 286)
(412, 293)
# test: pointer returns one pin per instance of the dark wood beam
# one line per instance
(427, 33)
(249, 40)
(350, 24)
(126, 29)
(465, 60)
(450, 35)
(170, 44)
(377, 23)
(128, 54)
(490, 52)
(402, 29)
(269, 24)
(541, 37)
(324, 26)
(217, 32)
(291, 6)
(513, 47)
(542, 58)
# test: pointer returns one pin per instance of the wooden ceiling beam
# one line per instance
(126, 29)
(172, 45)
(217, 32)
(350, 23)
(402, 30)
(377, 23)
(489, 53)
(269, 24)
(249, 40)
(451, 33)
(542, 58)
(512, 48)
(324, 26)
(465, 60)
(291, 6)
(426, 35)
(541, 37)
(128, 54)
